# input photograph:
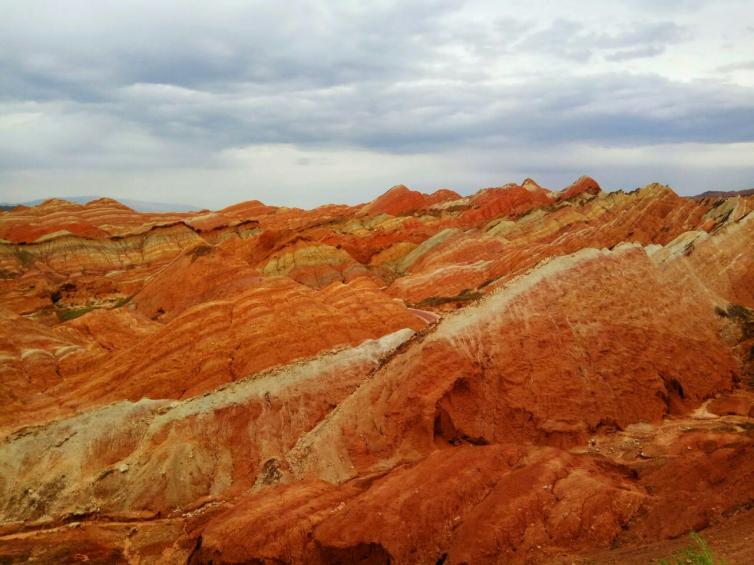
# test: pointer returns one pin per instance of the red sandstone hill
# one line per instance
(522, 375)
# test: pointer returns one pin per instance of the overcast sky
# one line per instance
(306, 102)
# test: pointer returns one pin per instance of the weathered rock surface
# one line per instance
(212, 343)
(154, 456)
(521, 375)
(487, 374)
(402, 200)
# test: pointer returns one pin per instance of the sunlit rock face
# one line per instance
(521, 375)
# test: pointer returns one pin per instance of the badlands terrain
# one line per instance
(523, 375)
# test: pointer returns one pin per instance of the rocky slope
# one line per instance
(516, 376)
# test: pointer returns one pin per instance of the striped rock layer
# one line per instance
(521, 375)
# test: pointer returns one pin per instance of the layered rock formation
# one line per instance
(521, 375)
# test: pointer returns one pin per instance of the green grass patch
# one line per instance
(697, 553)
(121, 302)
(66, 314)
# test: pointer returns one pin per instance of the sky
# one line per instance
(302, 103)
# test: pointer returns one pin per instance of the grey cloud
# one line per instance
(299, 46)
(636, 53)
(306, 43)
(157, 125)
(742, 66)
(562, 38)
(674, 6)
(573, 40)
(160, 85)
(606, 108)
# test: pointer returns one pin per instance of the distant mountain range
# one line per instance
(140, 205)
(725, 193)
(146, 206)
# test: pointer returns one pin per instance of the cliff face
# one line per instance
(520, 375)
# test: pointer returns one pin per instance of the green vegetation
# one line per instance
(66, 314)
(697, 554)
(121, 302)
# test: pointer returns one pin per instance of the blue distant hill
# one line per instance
(140, 205)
